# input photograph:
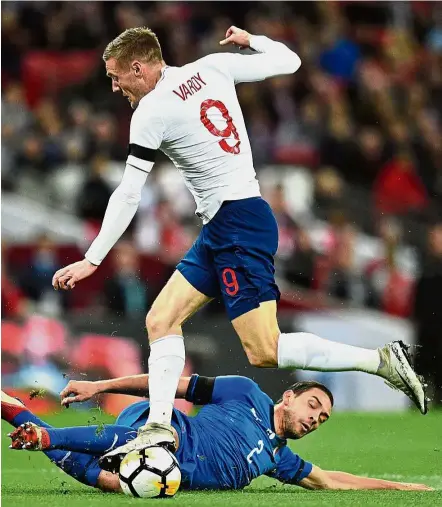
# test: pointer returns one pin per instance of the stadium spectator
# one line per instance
(389, 289)
(126, 294)
(261, 136)
(366, 103)
(337, 148)
(36, 280)
(13, 300)
(77, 125)
(104, 140)
(345, 281)
(300, 266)
(286, 224)
(370, 155)
(15, 39)
(69, 177)
(389, 286)
(398, 188)
(361, 120)
(32, 158)
(94, 195)
(434, 37)
(329, 190)
(14, 303)
(16, 119)
(174, 238)
(427, 314)
(341, 55)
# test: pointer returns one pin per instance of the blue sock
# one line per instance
(79, 465)
(26, 416)
(90, 439)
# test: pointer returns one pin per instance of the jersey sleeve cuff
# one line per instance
(92, 258)
(141, 157)
(200, 389)
(258, 43)
(304, 471)
(138, 163)
(191, 387)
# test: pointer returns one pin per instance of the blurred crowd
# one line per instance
(354, 138)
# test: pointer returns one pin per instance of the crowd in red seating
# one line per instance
(362, 117)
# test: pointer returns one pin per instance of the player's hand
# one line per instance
(410, 486)
(77, 391)
(238, 37)
(67, 277)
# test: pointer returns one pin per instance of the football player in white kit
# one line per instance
(192, 114)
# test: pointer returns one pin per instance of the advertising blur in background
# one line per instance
(348, 152)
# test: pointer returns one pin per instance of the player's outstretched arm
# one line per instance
(136, 385)
(122, 207)
(322, 479)
(274, 58)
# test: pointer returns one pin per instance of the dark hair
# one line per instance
(307, 385)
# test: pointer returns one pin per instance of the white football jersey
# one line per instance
(194, 117)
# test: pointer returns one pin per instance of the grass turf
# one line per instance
(405, 447)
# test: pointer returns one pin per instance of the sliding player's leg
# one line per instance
(94, 440)
(82, 467)
(16, 413)
(244, 239)
(193, 284)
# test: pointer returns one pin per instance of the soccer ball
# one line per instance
(150, 473)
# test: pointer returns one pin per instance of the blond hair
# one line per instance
(134, 43)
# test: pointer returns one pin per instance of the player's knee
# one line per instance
(157, 325)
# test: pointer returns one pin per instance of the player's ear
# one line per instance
(136, 67)
(287, 397)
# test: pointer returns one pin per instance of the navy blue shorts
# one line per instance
(233, 256)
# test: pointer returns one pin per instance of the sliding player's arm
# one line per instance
(274, 58)
(196, 389)
(322, 479)
(146, 134)
(109, 482)
(292, 469)
(135, 385)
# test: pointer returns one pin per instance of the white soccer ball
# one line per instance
(150, 473)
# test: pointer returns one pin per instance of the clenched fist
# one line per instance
(238, 37)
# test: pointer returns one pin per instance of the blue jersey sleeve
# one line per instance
(204, 390)
(291, 468)
(234, 388)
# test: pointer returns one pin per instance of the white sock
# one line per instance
(306, 351)
(166, 363)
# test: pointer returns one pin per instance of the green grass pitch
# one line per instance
(405, 447)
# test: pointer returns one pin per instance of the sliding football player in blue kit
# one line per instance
(239, 434)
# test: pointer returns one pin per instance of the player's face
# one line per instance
(129, 80)
(305, 412)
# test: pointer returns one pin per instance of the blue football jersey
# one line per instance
(232, 439)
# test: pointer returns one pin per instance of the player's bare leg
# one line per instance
(178, 301)
(259, 333)
(267, 347)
